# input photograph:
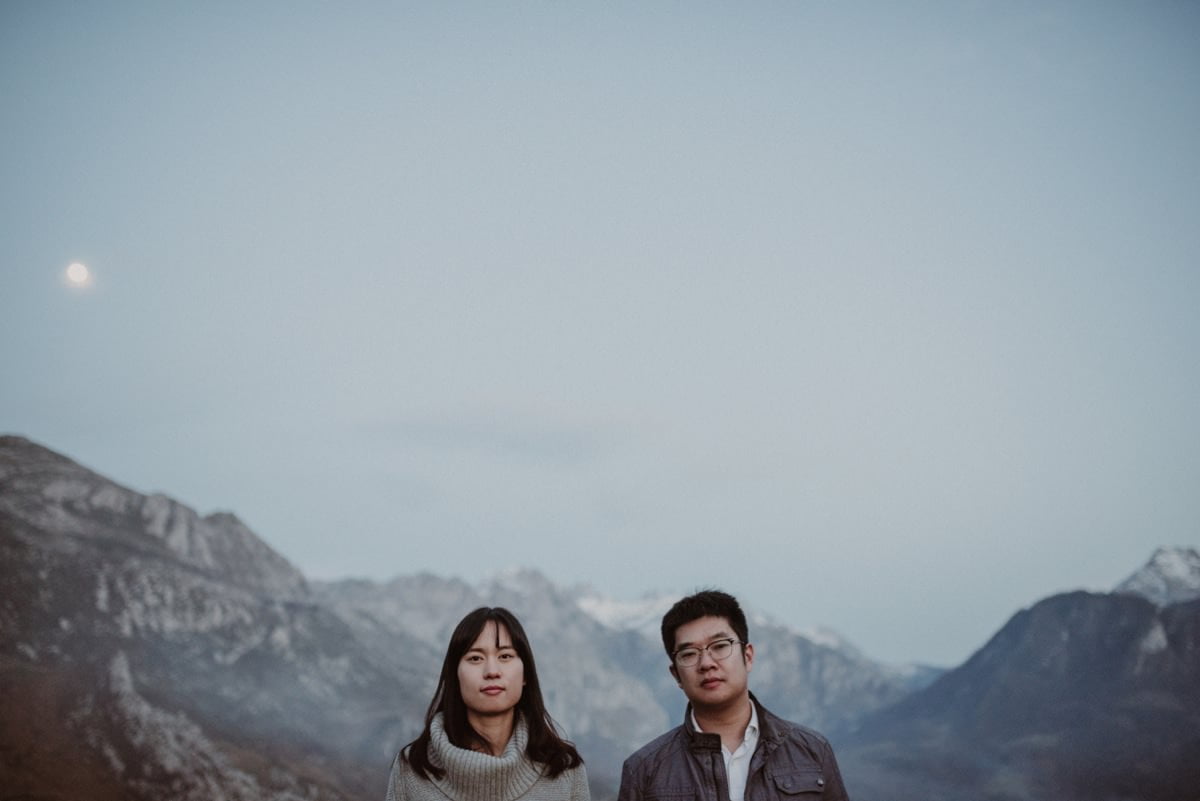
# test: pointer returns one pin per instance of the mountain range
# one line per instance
(147, 652)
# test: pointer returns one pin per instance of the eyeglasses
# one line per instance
(718, 650)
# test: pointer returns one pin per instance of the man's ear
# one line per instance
(674, 673)
(748, 656)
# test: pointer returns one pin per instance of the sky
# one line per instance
(882, 316)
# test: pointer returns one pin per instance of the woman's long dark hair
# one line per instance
(545, 746)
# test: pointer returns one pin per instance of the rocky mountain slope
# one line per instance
(146, 652)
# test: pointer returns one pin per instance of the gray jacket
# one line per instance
(791, 763)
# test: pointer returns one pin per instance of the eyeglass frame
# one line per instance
(702, 650)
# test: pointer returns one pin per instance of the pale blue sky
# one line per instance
(880, 315)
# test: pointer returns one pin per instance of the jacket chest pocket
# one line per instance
(800, 784)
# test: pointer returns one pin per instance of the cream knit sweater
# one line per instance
(474, 776)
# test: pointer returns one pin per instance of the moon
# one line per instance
(78, 274)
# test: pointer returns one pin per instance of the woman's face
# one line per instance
(491, 675)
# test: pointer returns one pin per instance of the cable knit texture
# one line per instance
(475, 776)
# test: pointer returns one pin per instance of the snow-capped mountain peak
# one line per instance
(1171, 576)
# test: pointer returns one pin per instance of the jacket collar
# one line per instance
(768, 733)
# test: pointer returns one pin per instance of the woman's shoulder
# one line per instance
(576, 773)
(405, 785)
(393, 793)
(579, 778)
(570, 785)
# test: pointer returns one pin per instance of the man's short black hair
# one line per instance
(706, 603)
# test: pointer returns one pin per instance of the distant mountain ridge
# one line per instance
(147, 652)
(605, 677)
(166, 627)
(1082, 697)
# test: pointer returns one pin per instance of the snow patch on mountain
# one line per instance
(643, 615)
(820, 635)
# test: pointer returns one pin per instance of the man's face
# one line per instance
(712, 683)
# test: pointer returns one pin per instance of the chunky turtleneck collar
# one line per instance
(472, 774)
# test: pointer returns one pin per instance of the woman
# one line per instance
(487, 734)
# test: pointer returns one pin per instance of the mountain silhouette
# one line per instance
(148, 652)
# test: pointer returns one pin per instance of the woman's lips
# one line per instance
(492, 690)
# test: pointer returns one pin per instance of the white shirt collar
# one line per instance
(751, 733)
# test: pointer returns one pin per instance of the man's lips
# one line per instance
(708, 684)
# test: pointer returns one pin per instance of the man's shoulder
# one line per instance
(794, 732)
(660, 747)
(799, 748)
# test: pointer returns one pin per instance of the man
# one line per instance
(729, 746)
